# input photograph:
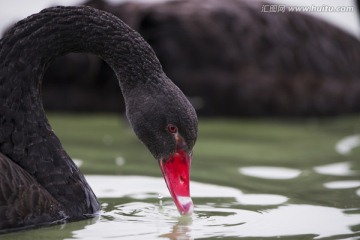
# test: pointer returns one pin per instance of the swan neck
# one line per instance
(26, 51)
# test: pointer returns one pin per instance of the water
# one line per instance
(219, 212)
(137, 207)
(251, 179)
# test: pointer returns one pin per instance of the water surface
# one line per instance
(251, 179)
(137, 207)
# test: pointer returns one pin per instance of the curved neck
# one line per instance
(40, 38)
(25, 52)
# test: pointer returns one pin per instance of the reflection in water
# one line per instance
(345, 145)
(262, 199)
(342, 184)
(270, 172)
(140, 187)
(181, 230)
(336, 169)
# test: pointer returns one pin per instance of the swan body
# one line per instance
(39, 183)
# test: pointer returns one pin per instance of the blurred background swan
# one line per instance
(229, 58)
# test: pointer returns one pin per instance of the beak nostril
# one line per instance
(181, 179)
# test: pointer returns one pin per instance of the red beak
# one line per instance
(176, 172)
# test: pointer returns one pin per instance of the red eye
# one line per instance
(172, 128)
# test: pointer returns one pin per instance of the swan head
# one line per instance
(166, 122)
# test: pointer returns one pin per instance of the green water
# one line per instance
(251, 178)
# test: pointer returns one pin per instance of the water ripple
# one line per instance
(138, 219)
(216, 215)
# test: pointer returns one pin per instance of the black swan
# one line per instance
(39, 183)
(241, 61)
